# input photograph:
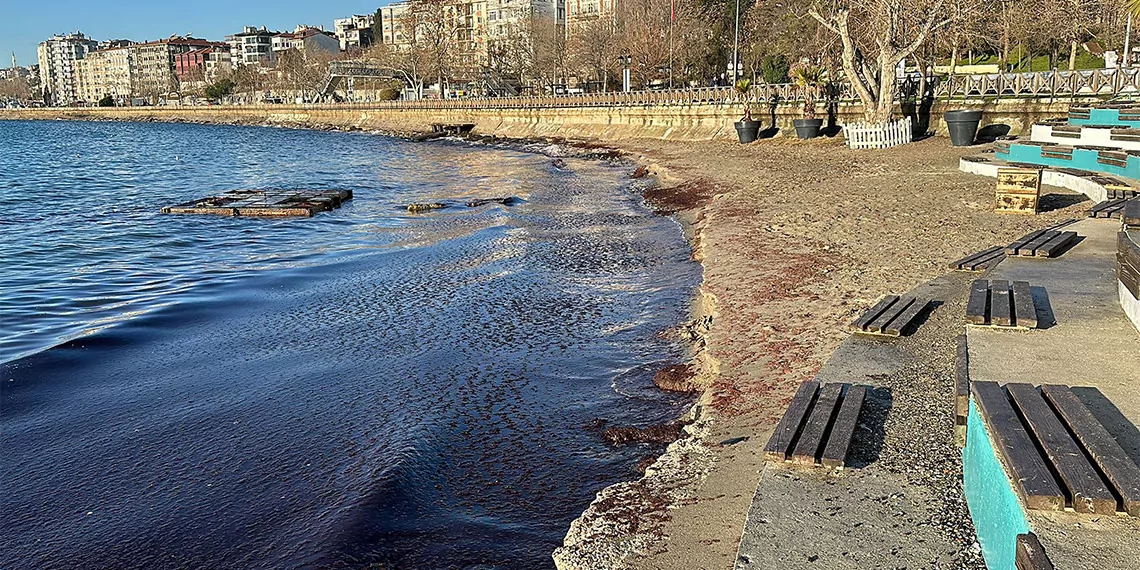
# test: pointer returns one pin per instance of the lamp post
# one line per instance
(736, 44)
(625, 61)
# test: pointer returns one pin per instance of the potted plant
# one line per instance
(747, 129)
(808, 77)
(963, 125)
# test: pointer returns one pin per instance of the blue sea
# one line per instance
(367, 388)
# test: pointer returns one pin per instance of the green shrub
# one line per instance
(388, 94)
(107, 101)
(774, 68)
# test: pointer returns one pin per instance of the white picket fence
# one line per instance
(878, 135)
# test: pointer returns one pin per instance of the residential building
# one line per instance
(105, 72)
(252, 46)
(57, 56)
(155, 64)
(355, 31)
(202, 63)
(393, 23)
(578, 12)
(305, 39)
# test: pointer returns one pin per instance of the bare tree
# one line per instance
(876, 35)
(410, 63)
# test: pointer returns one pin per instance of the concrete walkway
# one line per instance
(901, 504)
(1089, 343)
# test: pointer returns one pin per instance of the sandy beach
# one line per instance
(797, 239)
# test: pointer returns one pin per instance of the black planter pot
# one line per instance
(808, 128)
(748, 131)
(963, 126)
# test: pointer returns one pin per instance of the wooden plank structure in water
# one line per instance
(264, 203)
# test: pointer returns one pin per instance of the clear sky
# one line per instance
(29, 22)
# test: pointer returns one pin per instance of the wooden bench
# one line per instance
(1128, 262)
(980, 261)
(818, 426)
(998, 304)
(961, 391)
(890, 316)
(1056, 453)
(1108, 209)
(1049, 242)
(1030, 555)
(1130, 216)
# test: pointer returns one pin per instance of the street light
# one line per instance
(736, 44)
(625, 60)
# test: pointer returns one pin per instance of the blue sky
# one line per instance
(29, 22)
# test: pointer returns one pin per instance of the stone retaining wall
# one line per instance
(674, 122)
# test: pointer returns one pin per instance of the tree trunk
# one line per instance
(954, 58)
(888, 84)
(1072, 55)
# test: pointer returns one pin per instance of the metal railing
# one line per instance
(1063, 85)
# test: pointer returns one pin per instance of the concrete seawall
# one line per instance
(673, 122)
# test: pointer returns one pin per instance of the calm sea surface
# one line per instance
(366, 386)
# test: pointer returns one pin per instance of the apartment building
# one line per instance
(252, 46)
(105, 72)
(355, 31)
(579, 12)
(155, 63)
(305, 39)
(149, 69)
(57, 56)
(203, 63)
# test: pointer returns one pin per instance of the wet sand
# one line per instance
(797, 239)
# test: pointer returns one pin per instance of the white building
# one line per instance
(355, 32)
(305, 39)
(252, 46)
(57, 57)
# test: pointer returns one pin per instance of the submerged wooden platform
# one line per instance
(264, 203)
(1057, 454)
(818, 426)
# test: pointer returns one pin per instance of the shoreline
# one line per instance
(790, 252)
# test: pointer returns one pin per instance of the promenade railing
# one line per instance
(1051, 85)
(1038, 85)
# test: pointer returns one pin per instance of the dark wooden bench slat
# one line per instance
(811, 440)
(1030, 555)
(1024, 311)
(1100, 445)
(784, 436)
(879, 325)
(900, 322)
(997, 257)
(1001, 305)
(861, 323)
(962, 380)
(839, 442)
(1055, 245)
(978, 303)
(1088, 492)
(975, 258)
(1031, 246)
(1027, 470)
(1131, 213)
(1014, 247)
